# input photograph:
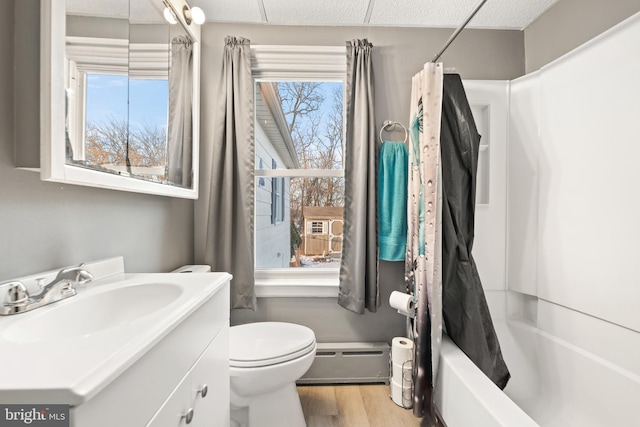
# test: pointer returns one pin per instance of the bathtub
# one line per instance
(466, 397)
(554, 382)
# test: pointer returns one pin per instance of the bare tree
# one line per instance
(106, 142)
(112, 142)
(149, 143)
(317, 136)
(333, 147)
(299, 99)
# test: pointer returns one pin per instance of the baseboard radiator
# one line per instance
(349, 363)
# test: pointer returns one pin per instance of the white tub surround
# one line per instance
(567, 318)
(116, 351)
(572, 227)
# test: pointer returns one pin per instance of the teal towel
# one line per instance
(392, 200)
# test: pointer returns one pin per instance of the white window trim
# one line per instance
(300, 173)
(118, 56)
(298, 63)
(290, 283)
(301, 63)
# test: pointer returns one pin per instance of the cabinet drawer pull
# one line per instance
(188, 417)
(203, 391)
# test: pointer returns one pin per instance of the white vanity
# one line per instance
(127, 350)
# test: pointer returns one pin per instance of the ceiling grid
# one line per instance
(495, 14)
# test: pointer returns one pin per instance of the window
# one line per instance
(298, 132)
(117, 100)
(277, 197)
(316, 227)
(299, 201)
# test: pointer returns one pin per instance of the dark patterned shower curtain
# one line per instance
(466, 314)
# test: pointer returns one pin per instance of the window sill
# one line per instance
(284, 283)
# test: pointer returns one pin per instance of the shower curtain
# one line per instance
(439, 267)
(466, 314)
(422, 266)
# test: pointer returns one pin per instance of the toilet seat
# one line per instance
(268, 343)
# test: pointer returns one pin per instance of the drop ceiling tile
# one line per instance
(106, 8)
(507, 14)
(417, 13)
(515, 14)
(316, 12)
(146, 11)
(229, 10)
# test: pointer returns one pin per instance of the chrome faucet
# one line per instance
(15, 297)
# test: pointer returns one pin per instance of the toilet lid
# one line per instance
(268, 343)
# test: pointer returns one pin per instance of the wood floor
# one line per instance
(353, 406)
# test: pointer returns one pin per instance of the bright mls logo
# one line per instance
(34, 415)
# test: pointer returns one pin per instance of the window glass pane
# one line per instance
(298, 221)
(106, 124)
(148, 116)
(313, 111)
(317, 227)
(124, 114)
(300, 124)
(311, 233)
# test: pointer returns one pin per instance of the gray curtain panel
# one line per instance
(359, 265)
(180, 137)
(229, 239)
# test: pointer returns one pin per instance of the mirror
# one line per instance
(121, 111)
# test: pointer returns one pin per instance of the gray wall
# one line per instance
(569, 24)
(46, 225)
(399, 53)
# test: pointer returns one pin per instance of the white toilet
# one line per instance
(266, 359)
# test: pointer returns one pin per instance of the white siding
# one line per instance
(272, 240)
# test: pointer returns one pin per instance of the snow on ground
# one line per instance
(319, 262)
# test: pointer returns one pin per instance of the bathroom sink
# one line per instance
(69, 351)
(88, 314)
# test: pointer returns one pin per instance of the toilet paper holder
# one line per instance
(406, 385)
(401, 376)
(405, 303)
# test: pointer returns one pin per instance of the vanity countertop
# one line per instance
(43, 363)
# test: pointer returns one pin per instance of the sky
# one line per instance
(108, 95)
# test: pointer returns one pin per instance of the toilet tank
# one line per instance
(193, 269)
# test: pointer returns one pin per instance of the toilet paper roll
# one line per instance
(401, 350)
(402, 373)
(400, 395)
(402, 302)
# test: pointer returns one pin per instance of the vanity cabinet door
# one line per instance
(212, 371)
(175, 410)
(189, 405)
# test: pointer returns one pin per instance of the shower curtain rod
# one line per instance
(458, 30)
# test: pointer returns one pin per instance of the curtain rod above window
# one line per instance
(459, 30)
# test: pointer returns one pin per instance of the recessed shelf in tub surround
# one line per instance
(118, 351)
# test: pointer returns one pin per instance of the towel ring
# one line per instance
(389, 125)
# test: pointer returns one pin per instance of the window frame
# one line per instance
(275, 63)
(86, 56)
(313, 228)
